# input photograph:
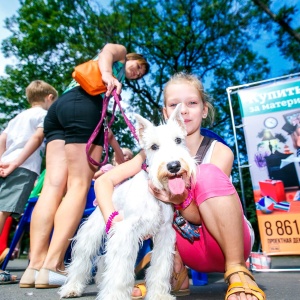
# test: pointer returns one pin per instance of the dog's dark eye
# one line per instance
(154, 147)
(178, 141)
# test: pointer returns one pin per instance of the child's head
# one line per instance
(128, 155)
(38, 90)
(136, 63)
(187, 89)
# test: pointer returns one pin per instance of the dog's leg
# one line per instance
(158, 275)
(87, 245)
(122, 247)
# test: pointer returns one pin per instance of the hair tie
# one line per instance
(110, 220)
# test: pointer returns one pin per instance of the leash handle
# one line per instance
(94, 135)
(117, 99)
(107, 126)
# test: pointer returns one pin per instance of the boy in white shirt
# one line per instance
(21, 151)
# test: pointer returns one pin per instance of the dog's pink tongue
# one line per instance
(176, 185)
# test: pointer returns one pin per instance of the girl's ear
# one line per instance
(165, 114)
(205, 109)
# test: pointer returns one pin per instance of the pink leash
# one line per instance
(103, 120)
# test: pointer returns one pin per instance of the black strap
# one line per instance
(204, 146)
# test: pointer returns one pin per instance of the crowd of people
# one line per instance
(226, 237)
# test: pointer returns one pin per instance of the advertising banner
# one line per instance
(271, 119)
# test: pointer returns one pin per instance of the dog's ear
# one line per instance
(177, 117)
(141, 125)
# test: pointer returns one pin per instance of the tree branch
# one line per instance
(278, 20)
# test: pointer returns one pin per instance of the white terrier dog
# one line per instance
(171, 168)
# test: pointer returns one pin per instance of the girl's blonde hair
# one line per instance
(193, 80)
(113, 160)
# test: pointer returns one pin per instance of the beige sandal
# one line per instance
(28, 278)
(143, 263)
(180, 277)
(176, 291)
(243, 286)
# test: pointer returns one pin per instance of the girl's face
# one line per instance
(127, 155)
(192, 108)
(134, 70)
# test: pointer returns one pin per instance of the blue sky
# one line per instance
(7, 9)
(278, 65)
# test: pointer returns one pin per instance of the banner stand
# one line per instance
(261, 85)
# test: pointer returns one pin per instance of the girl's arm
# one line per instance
(119, 157)
(104, 185)
(110, 54)
(222, 157)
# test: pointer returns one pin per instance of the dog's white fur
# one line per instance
(143, 215)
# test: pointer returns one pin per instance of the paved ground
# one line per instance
(277, 285)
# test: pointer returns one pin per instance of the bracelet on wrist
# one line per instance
(188, 200)
(110, 220)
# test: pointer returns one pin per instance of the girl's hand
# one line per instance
(111, 83)
(98, 174)
(166, 196)
(159, 194)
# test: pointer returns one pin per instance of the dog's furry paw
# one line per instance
(160, 297)
(68, 294)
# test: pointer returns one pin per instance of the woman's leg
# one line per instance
(43, 214)
(69, 213)
(223, 218)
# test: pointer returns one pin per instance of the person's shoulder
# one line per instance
(37, 111)
(115, 46)
(33, 114)
(223, 150)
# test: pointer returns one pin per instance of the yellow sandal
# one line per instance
(142, 288)
(243, 286)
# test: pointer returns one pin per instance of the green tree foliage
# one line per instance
(209, 38)
(285, 22)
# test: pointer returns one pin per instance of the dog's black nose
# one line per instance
(174, 166)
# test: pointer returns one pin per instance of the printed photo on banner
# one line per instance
(271, 119)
